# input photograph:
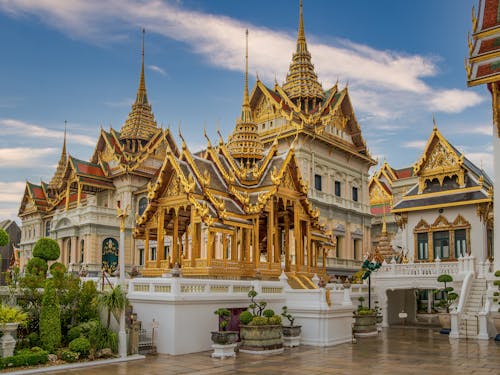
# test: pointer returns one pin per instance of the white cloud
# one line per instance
(385, 83)
(17, 127)
(11, 192)
(475, 129)
(454, 100)
(483, 160)
(157, 69)
(23, 157)
(419, 144)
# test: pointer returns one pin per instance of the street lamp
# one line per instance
(122, 336)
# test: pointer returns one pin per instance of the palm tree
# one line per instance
(114, 301)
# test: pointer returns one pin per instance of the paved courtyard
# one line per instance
(394, 351)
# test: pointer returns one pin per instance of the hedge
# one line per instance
(50, 319)
(25, 358)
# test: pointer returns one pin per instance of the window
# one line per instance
(47, 228)
(153, 253)
(82, 251)
(337, 188)
(69, 250)
(460, 243)
(354, 194)
(143, 203)
(141, 257)
(338, 248)
(489, 242)
(166, 251)
(317, 182)
(441, 245)
(422, 246)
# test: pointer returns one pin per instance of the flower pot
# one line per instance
(365, 325)
(496, 322)
(224, 337)
(265, 339)
(445, 320)
(7, 342)
(291, 336)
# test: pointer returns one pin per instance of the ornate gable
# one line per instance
(378, 194)
(422, 226)
(441, 222)
(439, 161)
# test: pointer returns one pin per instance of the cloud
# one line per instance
(475, 129)
(483, 160)
(385, 83)
(23, 157)
(157, 69)
(17, 127)
(454, 100)
(419, 144)
(11, 192)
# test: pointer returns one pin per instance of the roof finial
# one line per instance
(245, 110)
(64, 142)
(142, 97)
(434, 122)
(301, 38)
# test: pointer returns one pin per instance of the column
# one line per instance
(175, 239)
(287, 241)
(256, 247)
(160, 240)
(270, 242)
(247, 235)
(74, 248)
(297, 235)
(309, 246)
(146, 249)
(276, 235)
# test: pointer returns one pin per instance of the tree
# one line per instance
(114, 301)
(449, 295)
(46, 248)
(4, 237)
(50, 319)
(368, 267)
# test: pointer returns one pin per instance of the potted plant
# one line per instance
(291, 332)
(449, 297)
(260, 329)
(223, 340)
(365, 320)
(10, 319)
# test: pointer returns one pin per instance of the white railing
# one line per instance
(184, 287)
(343, 263)
(462, 266)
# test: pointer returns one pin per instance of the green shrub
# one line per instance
(81, 345)
(57, 270)
(246, 317)
(86, 303)
(25, 358)
(10, 314)
(37, 267)
(33, 339)
(50, 319)
(69, 356)
(46, 248)
(268, 313)
(74, 333)
(101, 337)
(4, 237)
(275, 320)
(259, 321)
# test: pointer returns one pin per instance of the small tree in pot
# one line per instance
(223, 340)
(291, 332)
(449, 297)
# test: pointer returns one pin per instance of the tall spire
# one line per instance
(302, 84)
(245, 143)
(140, 125)
(61, 166)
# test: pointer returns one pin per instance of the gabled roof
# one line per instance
(33, 194)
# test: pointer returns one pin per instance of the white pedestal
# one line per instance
(291, 341)
(223, 351)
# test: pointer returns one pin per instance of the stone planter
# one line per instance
(266, 339)
(496, 321)
(224, 337)
(445, 322)
(7, 342)
(365, 325)
(291, 336)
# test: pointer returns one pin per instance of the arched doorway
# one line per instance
(109, 254)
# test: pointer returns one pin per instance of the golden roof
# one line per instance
(140, 123)
(245, 141)
(61, 166)
(301, 80)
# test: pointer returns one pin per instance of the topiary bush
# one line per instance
(74, 333)
(50, 319)
(69, 356)
(46, 248)
(37, 267)
(246, 317)
(4, 237)
(259, 321)
(57, 270)
(275, 320)
(80, 345)
(268, 313)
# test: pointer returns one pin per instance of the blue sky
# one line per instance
(79, 61)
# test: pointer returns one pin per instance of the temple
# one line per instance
(235, 210)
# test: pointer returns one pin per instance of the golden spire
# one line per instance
(61, 166)
(302, 84)
(245, 143)
(140, 125)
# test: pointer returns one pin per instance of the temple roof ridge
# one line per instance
(61, 166)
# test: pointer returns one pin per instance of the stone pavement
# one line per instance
(394, 351)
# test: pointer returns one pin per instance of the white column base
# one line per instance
(223, 351)
(291, 341)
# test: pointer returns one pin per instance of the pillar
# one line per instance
(146, 249)
(287, 242)
(175, 238)
(298, 237)
(256, 247)
(160, 239)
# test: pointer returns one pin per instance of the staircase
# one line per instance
(469, 324)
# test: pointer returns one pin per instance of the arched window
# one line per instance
(47, 228)
(143, 203)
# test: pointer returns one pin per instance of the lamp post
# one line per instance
(122, 336)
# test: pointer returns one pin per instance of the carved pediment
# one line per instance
(288, 182)
(460, 222)
(378, 194)
(174, 186)
(441, 222)
(422, 226)
(263, 110)
(440, 158)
